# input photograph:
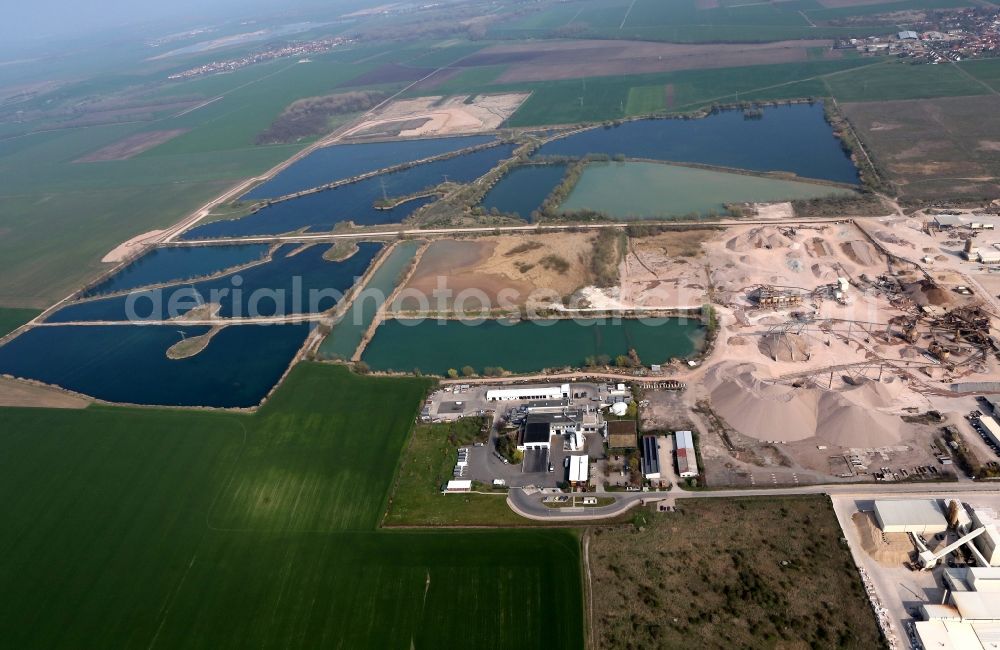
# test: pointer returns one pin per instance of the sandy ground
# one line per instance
(666, 270)
(19, 393)
(776, 211)
(552, 60)
(134, 245)
(519, 265)
(799, 397)
(133, 145)
(444, 116)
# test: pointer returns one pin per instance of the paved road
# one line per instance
(531, 506)
(307, 237)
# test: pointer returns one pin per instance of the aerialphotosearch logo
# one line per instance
(410, 305)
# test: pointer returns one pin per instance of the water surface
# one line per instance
(794, 138)
(291, 283)
(527, 346)
(347, 160)
(322, 211)
(523, 189)
(176, 263)
(348, 332)
(128, 363)
(644, 190)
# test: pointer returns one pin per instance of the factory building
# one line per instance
(988, 543)
(579, 467)
(687, 461)
(543, 422)
(944, 221)
(991, 428)
(529, 392)
(921, 516)
(989, 255)
(968, 618)
(650, 457)
(536, 434)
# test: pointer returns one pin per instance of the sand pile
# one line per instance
(861, 252)
(768, 411)
(819, 247)
(763, 237)
(824, 271)
(784, 347)
(925, 292)
(892, 549)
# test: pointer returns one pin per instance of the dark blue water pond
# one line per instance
(176, 263)
(793, 138)
(346, 160)
(522, 191)
(321, 211)
(128, 363)
(288, 284)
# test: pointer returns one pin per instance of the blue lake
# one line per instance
(523, 189)
(346, 160)
(793, 138)
(288, 284)
(346, 335)
(177, 263)
(128, 363)
(321, 211)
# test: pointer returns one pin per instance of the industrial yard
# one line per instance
(930, 566)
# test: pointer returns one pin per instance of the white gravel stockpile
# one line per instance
(766, 411)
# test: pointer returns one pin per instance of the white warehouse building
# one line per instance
(528, 392)
(579, 469)
(922, 516)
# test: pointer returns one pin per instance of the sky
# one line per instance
(35, 20)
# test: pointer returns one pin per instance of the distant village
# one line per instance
(947, 36)
(319, 46)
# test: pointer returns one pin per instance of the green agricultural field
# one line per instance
(820, 14)
(235, 120)
(426, 466)
(646, 99)
(56, 239)
(898, 80)
(684, 21)
(145, 528)
(604, 98)
(61, 216)
(11, 319)
(986, 70)
(470, 80)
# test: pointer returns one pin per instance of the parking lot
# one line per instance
(541, 468)
(988, 447)
(463, 400)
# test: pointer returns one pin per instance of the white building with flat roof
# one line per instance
(579, 469)
(527, 392)
(991, 428)
(922, 516)
(459, 485)
(968, 618)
